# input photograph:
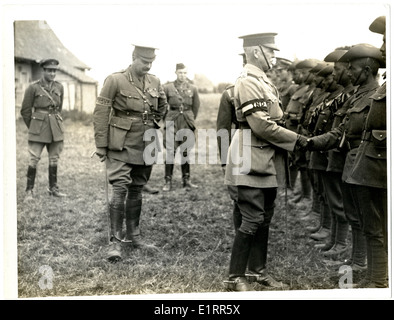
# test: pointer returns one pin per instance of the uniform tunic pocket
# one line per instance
(36, 124)
(118, 128)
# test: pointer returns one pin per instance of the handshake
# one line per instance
(304, 143)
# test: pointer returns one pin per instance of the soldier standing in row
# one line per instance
(364, 62)
(328, 118)
(130, 103)
(369, 178)
(184, 103)
(41, 108)
(257, 110)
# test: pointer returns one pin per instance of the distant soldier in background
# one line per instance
(369, 178)
(130, 103)
(41, 108)
(184, 104)
(364, 62)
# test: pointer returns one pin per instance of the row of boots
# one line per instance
(168, 173)
(53, 189)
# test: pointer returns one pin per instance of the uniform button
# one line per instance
(381, 135)
(379, 155)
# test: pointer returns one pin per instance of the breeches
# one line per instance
(126, 179)
(256, 206)
(54, 150)
(350, 206)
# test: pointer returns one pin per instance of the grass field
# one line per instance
(61, 242)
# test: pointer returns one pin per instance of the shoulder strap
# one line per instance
(49, 96)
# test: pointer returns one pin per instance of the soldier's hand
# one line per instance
(302, 142)
(101, 153)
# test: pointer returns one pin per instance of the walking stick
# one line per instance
(106, 198)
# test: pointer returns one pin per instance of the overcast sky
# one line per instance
(203, 35)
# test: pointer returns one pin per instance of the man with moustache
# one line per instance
(258, 112)
(41, 108)
(130, 103)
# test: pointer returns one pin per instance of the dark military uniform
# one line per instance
(225, 123)
(294, 115)
(347, 137)
(127, 111)
(184, 104)
(369, 178)
(41, 108)
(256, 150)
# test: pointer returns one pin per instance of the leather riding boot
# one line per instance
(238, 262)
(186, 177)
(168, 171)
(259, 250)
(257, 271)
(53, 189)
(133, 213)
(31, 177)
(116, 213)
(359, 249)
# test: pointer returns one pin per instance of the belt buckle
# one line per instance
(145, 117)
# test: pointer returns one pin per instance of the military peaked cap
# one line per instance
(335, 55)
(378, 25)
(49, 64)
(144, 52)
(260, 39)
(363, 50)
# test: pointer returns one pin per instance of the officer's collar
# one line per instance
(256, 71)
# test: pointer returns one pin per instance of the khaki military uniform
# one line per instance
(258, 111)
(184, 104)
(41, 108)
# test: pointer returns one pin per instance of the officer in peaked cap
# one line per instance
(369, 176)
(258, 111)
(131, 103)
(49, 64)
(41, 110)
(144, 52)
